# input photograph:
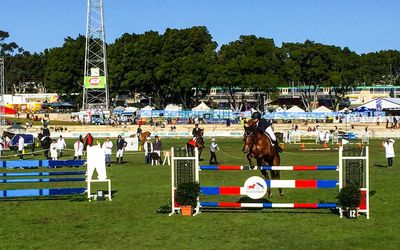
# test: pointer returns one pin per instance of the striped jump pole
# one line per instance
(40, 192)
(284, 168)
(41, 180)
(42, 173)
(236, 190)
(267, 205)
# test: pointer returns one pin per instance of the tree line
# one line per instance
(181, 65)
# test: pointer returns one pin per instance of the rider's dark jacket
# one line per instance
(263, 124)
(46, 132)
(196, 131)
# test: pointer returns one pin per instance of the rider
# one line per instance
(45, 132)
(138, 131)
(266, 127)
(196, 131)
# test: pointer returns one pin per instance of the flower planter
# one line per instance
(186, 210)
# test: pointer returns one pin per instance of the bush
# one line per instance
(187, 193)
(349, 196)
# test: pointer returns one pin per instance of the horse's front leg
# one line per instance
(266, 176)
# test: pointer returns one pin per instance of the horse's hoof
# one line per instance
(269, 195)
(251, 167)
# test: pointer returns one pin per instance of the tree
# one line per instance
(8, 48)
(64, 67)
(248, 63)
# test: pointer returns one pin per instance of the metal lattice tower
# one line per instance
(95, 90)
(2, 92)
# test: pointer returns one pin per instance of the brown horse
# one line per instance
(258, 145)
(199, 144)
(142, 138)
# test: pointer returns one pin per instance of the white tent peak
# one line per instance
(322, 109)
(201, 107)
(173, 107)
(148, 108)
(295, 109)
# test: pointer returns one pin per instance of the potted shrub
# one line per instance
(349, 199)
(186, 196)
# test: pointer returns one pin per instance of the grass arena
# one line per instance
(130, 221)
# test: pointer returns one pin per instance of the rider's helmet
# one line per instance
(196, 125)
(256, 115)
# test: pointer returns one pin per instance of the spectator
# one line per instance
(389, 151)
(121, 144)
(60, 146)
(21, 145)
(53, 150)
(148, 149)
(157, 146)
(78, 148)
(107, 147)
(213, 148)
(1, 146)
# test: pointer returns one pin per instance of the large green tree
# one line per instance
(248, 63)
(64, 67)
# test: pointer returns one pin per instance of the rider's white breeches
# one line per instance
(271, 133)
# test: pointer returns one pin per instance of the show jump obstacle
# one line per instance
(353, 167)
(9, 175)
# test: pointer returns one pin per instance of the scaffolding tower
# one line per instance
(2, 92)
(95, 87)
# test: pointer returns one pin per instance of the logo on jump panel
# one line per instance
(255, 187)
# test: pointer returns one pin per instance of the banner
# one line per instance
(95, 82)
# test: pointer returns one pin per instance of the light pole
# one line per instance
(346, 112)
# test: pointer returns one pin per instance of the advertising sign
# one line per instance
(95, 82)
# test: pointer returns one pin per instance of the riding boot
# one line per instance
(117, 160)
(122, 160)
(277, 147)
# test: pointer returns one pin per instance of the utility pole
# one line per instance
(2, 92)
(95, 87)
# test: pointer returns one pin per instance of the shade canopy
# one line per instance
(295, 109)
(201, 107)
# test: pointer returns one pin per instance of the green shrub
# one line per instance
(187, 193)
(349, 196)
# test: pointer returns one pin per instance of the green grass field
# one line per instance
(130, 221)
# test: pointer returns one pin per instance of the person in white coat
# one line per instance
(53, 150)
(78, 148)
(148, 149)
(107, 148)
(389, 151)
(61, 145)
(1, 146)
(21, 145)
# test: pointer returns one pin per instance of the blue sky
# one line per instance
(363, 26)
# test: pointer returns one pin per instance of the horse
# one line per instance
(8, 135)
(199, 144)
(45, 144)
(258, 145)
(142, 138)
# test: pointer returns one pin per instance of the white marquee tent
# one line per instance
(201, 107)
(322, 109)
(295, 109)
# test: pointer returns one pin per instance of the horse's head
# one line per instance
(248, 139)
(201, 133)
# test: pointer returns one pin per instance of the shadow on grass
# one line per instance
(380, 166)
